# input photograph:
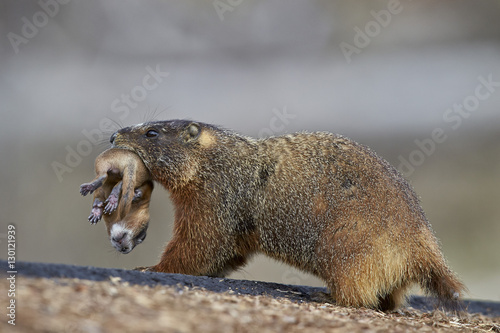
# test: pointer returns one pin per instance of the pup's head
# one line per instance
(127, 232)
(125, 239)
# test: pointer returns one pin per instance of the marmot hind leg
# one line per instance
(393, 300)
(352, 296)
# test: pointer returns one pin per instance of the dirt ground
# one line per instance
(75, 305)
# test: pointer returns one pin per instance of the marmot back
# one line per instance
(317, 201)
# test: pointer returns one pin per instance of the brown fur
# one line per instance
(319, 202)
(123, 188)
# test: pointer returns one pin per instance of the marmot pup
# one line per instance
(123, 188)
(319, 201)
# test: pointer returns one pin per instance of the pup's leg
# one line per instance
(97, 207)
(112, 201)
(87, 188)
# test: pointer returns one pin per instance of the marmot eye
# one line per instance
(151, 133)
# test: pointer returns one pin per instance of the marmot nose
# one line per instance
(113, 137)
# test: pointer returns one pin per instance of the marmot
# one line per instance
(123, 188)
(317, 201)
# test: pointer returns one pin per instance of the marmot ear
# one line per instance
(193, 130)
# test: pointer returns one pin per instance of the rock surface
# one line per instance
(60, 298)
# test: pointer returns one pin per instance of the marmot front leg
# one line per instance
(179, 257)
(144, 269)
(194, 254)
(166, 264)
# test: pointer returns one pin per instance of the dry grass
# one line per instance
(71, 305)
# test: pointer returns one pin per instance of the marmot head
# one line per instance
(171, 150)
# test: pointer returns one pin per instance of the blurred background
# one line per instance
(417, 81)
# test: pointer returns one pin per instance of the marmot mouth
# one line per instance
(117, 141)
(121, 145)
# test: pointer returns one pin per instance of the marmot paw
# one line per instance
(145, 269)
